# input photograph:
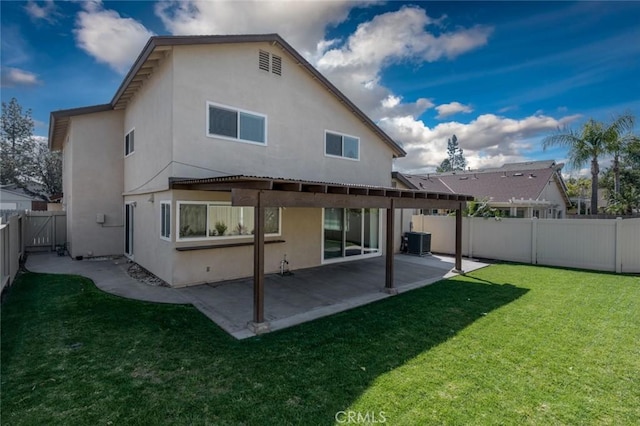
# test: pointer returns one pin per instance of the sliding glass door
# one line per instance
(351, 232)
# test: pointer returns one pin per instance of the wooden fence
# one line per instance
(598, 244)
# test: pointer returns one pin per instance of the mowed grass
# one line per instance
(508, 344)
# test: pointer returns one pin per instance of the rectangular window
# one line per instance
(128, 143)
(338, 145)
(165, 220)
(221, 220)
(236, 124)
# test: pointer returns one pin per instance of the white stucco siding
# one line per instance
(552, 193)
(94, 183)
(298, 111)
(149, 113)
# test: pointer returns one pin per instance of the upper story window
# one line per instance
(339, 145)
(232, 123)
(128, 143)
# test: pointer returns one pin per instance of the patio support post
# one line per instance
(458, 266)
(258, 325)
(388, 285)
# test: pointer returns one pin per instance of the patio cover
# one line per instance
(261, 192)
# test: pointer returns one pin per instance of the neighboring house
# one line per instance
(525, 190)
(206, 136)
(13, 197)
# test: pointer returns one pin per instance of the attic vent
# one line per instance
(464, 177)
(269, 63)
(276, 65)
(263, 61)
(517, 174)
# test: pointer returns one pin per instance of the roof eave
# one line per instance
(54, 143)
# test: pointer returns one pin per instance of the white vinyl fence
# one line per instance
(12, 248)
(599, 244)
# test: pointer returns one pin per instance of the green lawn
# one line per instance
(508, 344)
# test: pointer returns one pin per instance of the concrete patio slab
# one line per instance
(306, 295)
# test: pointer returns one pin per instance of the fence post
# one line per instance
(470, 248)
(618, 245)
(534, 240)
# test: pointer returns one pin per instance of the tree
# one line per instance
(627, 198)
(455, 160)
(49, 169)
(619, 135)
(17, 144)
(589, 144)
(25, 160)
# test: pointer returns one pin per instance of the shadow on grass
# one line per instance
(100, 358)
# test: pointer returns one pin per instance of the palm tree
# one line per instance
(618, 136)
(590, 143)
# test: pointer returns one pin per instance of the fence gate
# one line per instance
(45, 230)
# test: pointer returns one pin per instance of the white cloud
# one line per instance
(12, 77)
(47, 11)
(301, 23)
(404, 35)
(108, 37)
(452, 108)
(400, 35)
(487, 141)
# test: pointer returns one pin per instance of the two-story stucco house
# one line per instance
(219, 155)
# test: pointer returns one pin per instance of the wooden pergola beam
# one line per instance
(248, 197)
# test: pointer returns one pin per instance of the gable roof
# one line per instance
(501, 184)
(155, 50)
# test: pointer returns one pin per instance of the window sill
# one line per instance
(216, 246)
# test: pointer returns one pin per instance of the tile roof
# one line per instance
(515, 180)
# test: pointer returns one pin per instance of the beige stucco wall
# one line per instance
(150, 114)
(149, 250)
(301, 231)
(93, 184)
(67, 188)
(298, 110)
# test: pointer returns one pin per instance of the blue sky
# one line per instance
(500, 75)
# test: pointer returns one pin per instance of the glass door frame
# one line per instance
(344, 257)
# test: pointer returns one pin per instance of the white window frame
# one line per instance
(218, 237)
(130, 232)
(379, 253)
(343, 135)
(163, 225)
(126, 143)
(238, 111)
